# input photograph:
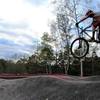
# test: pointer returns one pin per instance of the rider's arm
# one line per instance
(83, 19)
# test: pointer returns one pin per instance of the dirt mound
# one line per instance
(49, 88)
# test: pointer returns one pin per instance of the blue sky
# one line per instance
(22, 23)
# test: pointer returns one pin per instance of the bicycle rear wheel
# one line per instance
(79, 48)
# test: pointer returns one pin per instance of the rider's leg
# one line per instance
(99, 33)
(93, 34)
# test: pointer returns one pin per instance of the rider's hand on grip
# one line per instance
(76, 24)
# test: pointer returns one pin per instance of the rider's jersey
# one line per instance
(96, 19)
(97, 14)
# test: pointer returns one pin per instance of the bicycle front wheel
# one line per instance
(79, 48)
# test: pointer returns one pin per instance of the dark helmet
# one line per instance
(89, 12)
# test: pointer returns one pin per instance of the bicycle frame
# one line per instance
(84, 31)
(81, 44)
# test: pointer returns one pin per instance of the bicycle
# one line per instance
(80, 46)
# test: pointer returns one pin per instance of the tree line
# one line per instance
(46, 60)
(53, 54)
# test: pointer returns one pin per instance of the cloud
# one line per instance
(20, 11)
(21, 23)
(9, 49)
(9, 25)
(36, 2)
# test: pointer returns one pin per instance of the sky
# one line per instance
(22, 23)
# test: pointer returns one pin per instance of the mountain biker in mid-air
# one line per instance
(95, 23)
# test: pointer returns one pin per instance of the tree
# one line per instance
(65, 13)
(22, 60)
(3, 66)
(46, 51)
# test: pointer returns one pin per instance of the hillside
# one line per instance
(50, 88)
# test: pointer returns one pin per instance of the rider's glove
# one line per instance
(77, 24)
